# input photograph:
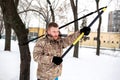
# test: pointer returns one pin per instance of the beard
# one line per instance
(55, 37)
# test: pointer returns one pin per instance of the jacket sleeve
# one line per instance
(38, 53)
(69, 39)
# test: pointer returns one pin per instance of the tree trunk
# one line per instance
(98, 38)
(25, 57)
(98, 31)
(11, 16)
(1, 27)
(52, 11)
(74, 9)
(7, 37)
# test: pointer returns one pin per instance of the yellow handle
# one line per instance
(79, 37)
(104, 9)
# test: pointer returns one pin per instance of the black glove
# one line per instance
(86, 30)
(57, 60)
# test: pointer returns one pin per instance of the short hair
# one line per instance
(52, 24)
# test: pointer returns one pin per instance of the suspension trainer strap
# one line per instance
(74, 43)
(82, 17)
(69, 23)
(82, 34)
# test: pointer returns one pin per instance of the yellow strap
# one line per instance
(79, 37)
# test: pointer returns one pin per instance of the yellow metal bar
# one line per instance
(79, 37)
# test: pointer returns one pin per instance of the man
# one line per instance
(48, 50)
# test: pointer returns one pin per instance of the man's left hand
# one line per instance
(86, 30)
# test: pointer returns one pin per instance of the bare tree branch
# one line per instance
(52, 12)
(16, 3)
(31, 10)
(29, 4)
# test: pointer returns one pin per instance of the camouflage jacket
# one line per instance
(44, 51)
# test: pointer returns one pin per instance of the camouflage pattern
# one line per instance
(44, 51)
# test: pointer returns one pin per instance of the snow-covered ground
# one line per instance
(87, 67)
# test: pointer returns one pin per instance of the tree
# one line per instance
(52, 11)
(43, 9)
(1, 25)
(11, 17)
(84, 22)
(8, 33)
(7, 36)
(98, 30)
(74, 9)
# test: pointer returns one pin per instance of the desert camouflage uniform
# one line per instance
(44, 51)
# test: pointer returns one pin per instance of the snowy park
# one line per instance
(87, 67)
(24, 20)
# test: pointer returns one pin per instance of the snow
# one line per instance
(87, 67)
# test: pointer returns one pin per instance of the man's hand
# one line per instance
(57, 60)
(86, 30)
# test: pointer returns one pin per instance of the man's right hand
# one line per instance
(57, 60)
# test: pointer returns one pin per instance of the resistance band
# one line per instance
(69, 23)
(82, 34)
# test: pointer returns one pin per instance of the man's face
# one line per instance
(54, 32)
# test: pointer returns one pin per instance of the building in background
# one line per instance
(35, 32)
(108, 40)
(114, 21)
